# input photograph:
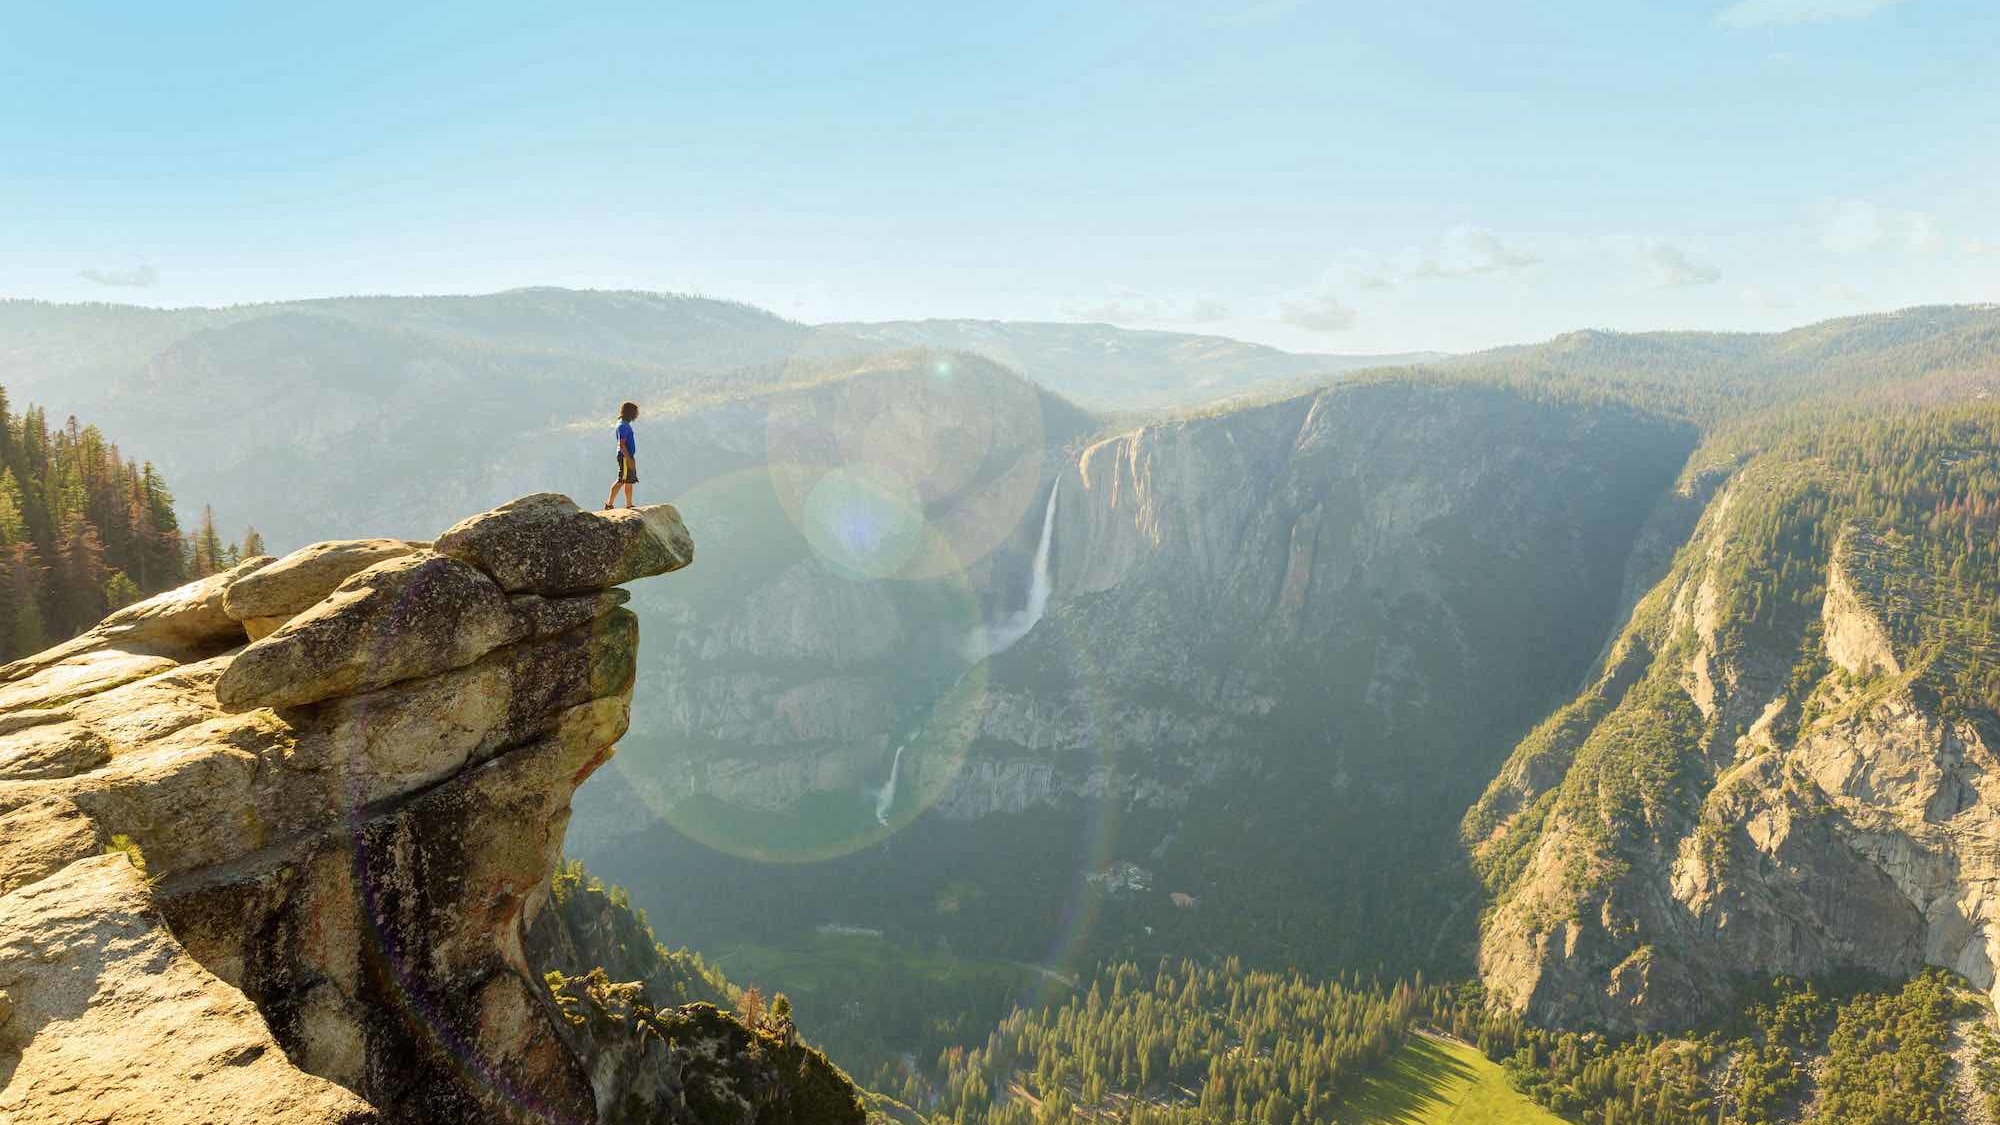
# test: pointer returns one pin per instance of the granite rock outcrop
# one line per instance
(269, 849)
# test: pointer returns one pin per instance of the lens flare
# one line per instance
(788, 759)
(959, 441)
(863, 526)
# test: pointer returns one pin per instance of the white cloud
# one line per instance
(1850, 226)
(1208, 310)
(1363, 269)
(1467, 250)
(1666, 262)
(1462, 251)
(1316, 312)
(1785, 13)
(138, 277)
(1673, 266)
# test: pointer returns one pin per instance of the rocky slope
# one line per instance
(1359, 540)
(1786, 762)
(289, 878)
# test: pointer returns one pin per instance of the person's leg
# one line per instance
(613, 498)
(628, 494)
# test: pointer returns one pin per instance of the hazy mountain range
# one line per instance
(445, 392)
(1051, 643)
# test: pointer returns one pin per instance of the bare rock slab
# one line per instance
(297, 582)
(111, 1020)
(413, 616)
(544, 544)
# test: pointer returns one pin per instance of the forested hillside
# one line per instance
(1181, 1043)
(1808, 698)
(1185, 1043)
(1928, 355)
(84, 531)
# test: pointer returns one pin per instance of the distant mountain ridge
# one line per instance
(1125, 370)
(446, 391)
(1932, 353)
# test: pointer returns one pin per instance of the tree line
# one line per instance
(85, 531)
(1218, 1044)
(1885, 1052)
(1186, 1044)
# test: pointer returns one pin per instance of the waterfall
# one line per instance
(997, 638)
(1003, 633)
(886, 798)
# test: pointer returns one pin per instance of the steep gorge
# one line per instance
(1274, 634)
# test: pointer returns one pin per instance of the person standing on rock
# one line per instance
(628, 456)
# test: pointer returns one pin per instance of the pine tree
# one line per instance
(20, 601)
(79, 577)
(82, 531)
(13, 528)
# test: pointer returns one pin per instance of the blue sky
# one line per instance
(1324, 176)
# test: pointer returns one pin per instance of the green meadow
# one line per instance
(1437, 1081)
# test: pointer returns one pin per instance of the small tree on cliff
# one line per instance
(781, 1018)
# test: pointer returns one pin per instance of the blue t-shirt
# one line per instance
(625, 442)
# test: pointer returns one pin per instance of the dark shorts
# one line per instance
(628, 469)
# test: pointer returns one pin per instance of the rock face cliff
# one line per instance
(1786, 763)
(289, 878)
